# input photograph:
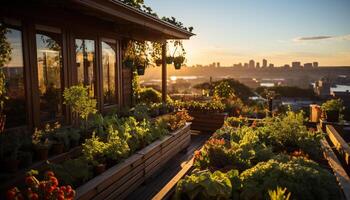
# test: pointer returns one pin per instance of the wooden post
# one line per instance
(164, 75)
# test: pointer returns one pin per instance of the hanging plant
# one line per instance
(169, 60)
(180, 51)
(156, 53)
(130, 55)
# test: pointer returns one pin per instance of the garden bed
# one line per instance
(120, 180)
(207, 122)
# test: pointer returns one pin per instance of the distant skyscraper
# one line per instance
(246, 65)
(315, 64)
(308, 65)
(264, 63)
(271, 65)
(251, 64)
(257, 65)
(218, 64)
(296, 65)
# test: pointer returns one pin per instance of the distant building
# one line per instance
(251, 64)
(246, 65)
(286, 66)
(315, 64)
(264, 65)
(296, 65)
(257, 65)
(271, 65)
(308, 65)
(218, 64)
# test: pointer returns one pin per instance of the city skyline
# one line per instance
(280, 31)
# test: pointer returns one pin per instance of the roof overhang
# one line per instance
(138, 23)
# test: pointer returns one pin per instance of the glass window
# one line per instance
(11, 57)
(85, 58)
(49, 75)
(109, 73)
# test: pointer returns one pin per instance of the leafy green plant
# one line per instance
(94, 150)
(116, 148)
(305, 179)
(140, 112)
(279, 194)
(196, 106)
(77, 97)
(333, 105)
(205, 185)
(72, 171)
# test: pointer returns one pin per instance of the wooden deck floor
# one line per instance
(154, 184)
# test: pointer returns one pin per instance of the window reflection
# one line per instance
(85, 58)
(109, 78)
(49, 76)
(14, 105)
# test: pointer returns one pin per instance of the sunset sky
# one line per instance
(282, 31)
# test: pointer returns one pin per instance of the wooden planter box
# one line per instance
(207, 122)
(119, 181)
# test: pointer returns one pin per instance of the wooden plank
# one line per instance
(121, 182)
(91, 188)
(164, 192)
(339, 143)
(338, 170)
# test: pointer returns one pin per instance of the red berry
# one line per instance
(50, 173)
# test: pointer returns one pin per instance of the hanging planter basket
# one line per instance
(169, 60)
(158, 62)
(178, 61)
(177, 66)
(141, 70)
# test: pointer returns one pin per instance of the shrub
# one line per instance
(333, 105)
(116, 148)
(224, 90)
(94, 150)
(205, 185)
(305, 179)
(195, 106)
(279, 194)
(149, 95)
(77, 97)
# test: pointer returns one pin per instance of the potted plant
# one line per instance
(158, 62)
(77, 97)
(94, 151)
(331, 109)
(41, 144)
(178, 61)
(169, 60)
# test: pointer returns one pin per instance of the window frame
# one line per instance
(116, 75)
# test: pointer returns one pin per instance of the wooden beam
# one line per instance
(164, 74)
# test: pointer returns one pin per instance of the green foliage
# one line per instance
(333, 105)
(205, 185)
(195, 106)
(78, 98)
(288, 133)
(149, 95)
(140, 112)
(94, 150)
(5, 46)
(72, 171)
(279, 194)
(224, 90)
(305, 179)
(236, 121)
(178, 119)
(116, 148)
(241, 91)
